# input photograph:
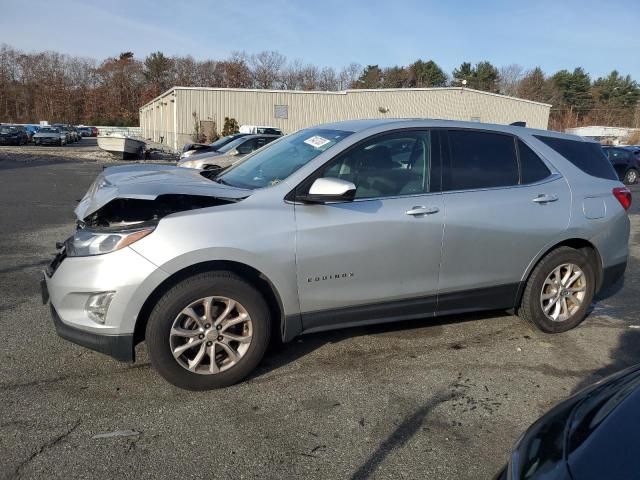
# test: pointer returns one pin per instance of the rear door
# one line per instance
(502, 205)
(377, 257)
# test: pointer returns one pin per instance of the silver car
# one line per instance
(228, 153)
(339, 225)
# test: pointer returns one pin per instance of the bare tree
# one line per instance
(327, 79)
(291, 75)
(509, 79)
(266, 68)
(349, 75)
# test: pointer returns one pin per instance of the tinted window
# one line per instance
(386, 166)
(480, 160)
(587, 156)
(532, 167)
(617, 154)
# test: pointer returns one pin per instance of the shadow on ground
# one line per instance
(280, 354)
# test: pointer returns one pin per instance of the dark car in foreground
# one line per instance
(594, 435)
(625, 163)
(13, 135)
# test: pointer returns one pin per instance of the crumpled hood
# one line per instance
(147, 182)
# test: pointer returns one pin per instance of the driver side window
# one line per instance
(389, 165)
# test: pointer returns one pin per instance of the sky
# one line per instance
(598, 35)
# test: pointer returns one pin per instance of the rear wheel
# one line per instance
(209, 331)
(631, 177)
(559, 291)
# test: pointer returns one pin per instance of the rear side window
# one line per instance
(532, 167)
(587, 156)
(480, 160)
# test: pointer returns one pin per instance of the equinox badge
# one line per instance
(336, 276)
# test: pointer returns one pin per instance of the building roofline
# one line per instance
(340, 92)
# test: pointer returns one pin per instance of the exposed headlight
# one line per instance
(86, 242)
(191, 164)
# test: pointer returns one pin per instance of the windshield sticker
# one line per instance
(317, 141)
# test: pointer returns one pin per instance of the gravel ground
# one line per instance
(85, 150)
(422, 399)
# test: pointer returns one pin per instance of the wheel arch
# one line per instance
(244, 271)
(580, 244)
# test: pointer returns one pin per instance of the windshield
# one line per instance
(221, 141)
(7, 129)
(231, 145)
(48, 130)
(271, 165)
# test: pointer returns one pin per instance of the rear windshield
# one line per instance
(587, 156)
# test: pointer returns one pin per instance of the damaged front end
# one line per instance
(124, 205)
(130, 212)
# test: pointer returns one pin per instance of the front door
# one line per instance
(377, 257)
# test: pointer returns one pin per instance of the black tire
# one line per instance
(189, 290)
(530, 305)
(631, 177)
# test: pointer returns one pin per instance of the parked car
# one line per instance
(625, 163)
(591, 436)
(50, 136)
(635, 149)
(257, 129)
(197, 148)
(227, 154)
(345, 224)
(85, 131)
(94, 131)
(13, 135)
(65, 130)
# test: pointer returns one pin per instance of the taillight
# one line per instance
(623, 195)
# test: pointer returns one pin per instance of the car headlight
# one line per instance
(191, 164)
(86, 242)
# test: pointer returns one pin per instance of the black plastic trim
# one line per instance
(119, 347)
(489, 298)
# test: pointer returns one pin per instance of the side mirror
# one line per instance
(325, 190)
(243, 150)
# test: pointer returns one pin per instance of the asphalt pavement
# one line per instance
(441, 399)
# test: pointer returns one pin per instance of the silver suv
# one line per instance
(344, 224)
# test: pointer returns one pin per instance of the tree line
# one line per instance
(62, 88)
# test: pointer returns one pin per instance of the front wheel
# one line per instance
(631, 177)
(208, 331)
(559, 291)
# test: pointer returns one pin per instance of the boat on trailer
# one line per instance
(122, 146)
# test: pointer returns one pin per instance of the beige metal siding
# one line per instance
(256, 107)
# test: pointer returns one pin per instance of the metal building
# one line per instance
(171, 117)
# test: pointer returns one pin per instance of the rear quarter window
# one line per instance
(532, 167)
(587, 156)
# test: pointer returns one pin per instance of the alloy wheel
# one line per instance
(563, 292)
(211, 335)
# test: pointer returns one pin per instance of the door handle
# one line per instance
(544, 198)
(422, 210)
